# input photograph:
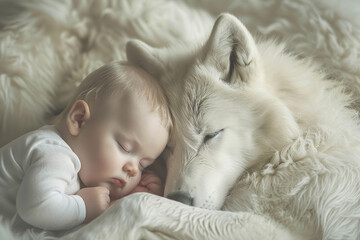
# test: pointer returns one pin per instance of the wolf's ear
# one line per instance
(232, 50)
(143, 55)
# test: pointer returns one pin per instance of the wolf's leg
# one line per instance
(146, 216)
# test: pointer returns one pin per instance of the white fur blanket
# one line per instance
(47, 47)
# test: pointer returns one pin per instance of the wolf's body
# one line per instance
(260, 131)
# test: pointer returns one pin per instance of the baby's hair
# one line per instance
(117, 77)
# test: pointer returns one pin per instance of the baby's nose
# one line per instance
(131, 169)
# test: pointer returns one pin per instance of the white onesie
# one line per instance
(38, 180)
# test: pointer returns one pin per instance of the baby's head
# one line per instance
(117, 124)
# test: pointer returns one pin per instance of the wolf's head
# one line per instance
(226, 119)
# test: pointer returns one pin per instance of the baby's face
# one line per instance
(116, 147)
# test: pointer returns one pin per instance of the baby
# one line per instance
(65, 174)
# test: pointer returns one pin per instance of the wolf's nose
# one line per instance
(182, 197)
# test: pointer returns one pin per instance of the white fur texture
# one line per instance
(47, 47)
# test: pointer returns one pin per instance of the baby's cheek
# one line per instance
(137, 179)
(107, 152)
(107, 159)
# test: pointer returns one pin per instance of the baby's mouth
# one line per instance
(119, 182)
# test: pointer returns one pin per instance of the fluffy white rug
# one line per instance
(47, 47)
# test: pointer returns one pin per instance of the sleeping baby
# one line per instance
(97, 151)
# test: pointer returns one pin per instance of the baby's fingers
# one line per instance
(149, 178)
(156, 189)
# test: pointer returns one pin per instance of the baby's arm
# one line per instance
(42, 200)
(96, 200)
(150, 182)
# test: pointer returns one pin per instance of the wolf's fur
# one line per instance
(259, 130)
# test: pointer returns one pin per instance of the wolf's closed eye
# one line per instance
(213, 135)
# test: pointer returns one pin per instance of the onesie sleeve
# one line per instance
(41, 200)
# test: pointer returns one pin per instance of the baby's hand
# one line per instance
(151, 183)
(96, 200)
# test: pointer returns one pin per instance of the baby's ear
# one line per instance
(77, 116)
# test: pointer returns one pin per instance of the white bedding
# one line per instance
(47, 47)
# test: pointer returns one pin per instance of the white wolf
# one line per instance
(258, 130)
